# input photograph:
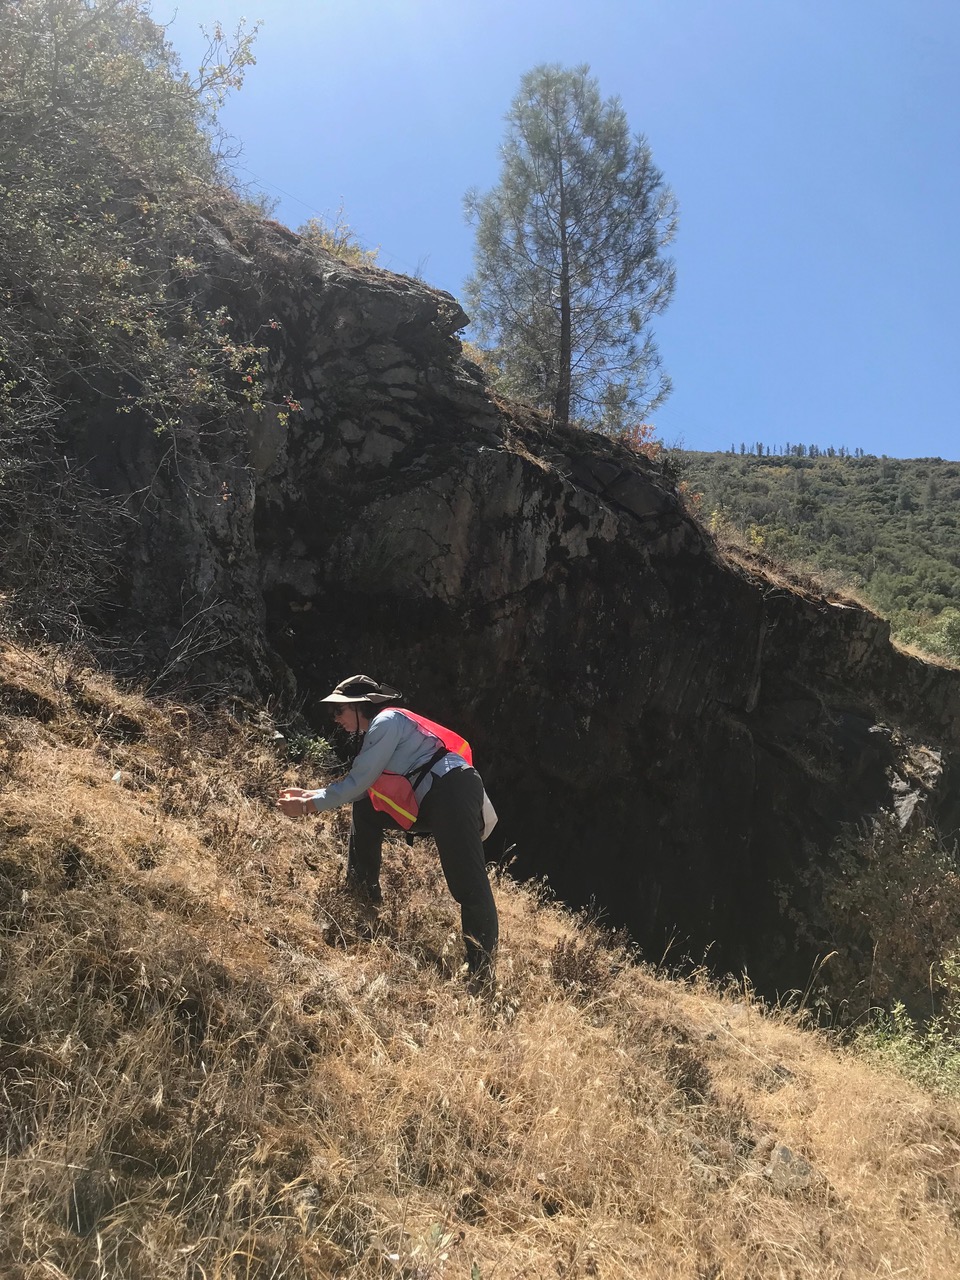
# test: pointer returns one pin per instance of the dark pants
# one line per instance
(451, 812)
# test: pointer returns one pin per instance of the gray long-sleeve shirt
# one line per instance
(394, 744)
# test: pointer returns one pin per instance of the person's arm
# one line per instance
(379, 744)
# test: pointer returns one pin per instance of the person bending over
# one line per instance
(416, 775)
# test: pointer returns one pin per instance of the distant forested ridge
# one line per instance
(888, 528)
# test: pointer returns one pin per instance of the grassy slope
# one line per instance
(211, 1069)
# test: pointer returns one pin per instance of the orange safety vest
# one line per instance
(394, 793)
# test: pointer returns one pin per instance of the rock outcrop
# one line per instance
(666, 733)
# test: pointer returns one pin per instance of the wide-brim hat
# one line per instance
(362, 689)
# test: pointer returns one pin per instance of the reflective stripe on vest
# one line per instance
(389, 804)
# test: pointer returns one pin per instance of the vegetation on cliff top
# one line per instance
(886, 528)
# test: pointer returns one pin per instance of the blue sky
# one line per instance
(812, 146)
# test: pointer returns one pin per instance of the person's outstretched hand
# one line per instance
(295, 802)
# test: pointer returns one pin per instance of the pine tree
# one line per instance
(568, 265)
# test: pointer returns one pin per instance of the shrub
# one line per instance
(887, 901)
(338, 239)
(103, 295)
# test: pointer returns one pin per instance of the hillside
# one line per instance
(240, 467)
(211, 1066)
(237, 466)
(887, 527)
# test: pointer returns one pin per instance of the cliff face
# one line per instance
(668, 734)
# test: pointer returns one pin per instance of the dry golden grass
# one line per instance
(917, 651)
(212, 1065)
(802, 578)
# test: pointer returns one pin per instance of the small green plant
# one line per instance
(926, 1053)
(313, 750)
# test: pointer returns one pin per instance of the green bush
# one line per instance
(926, 1052)
(110, 159)
(885, 904)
